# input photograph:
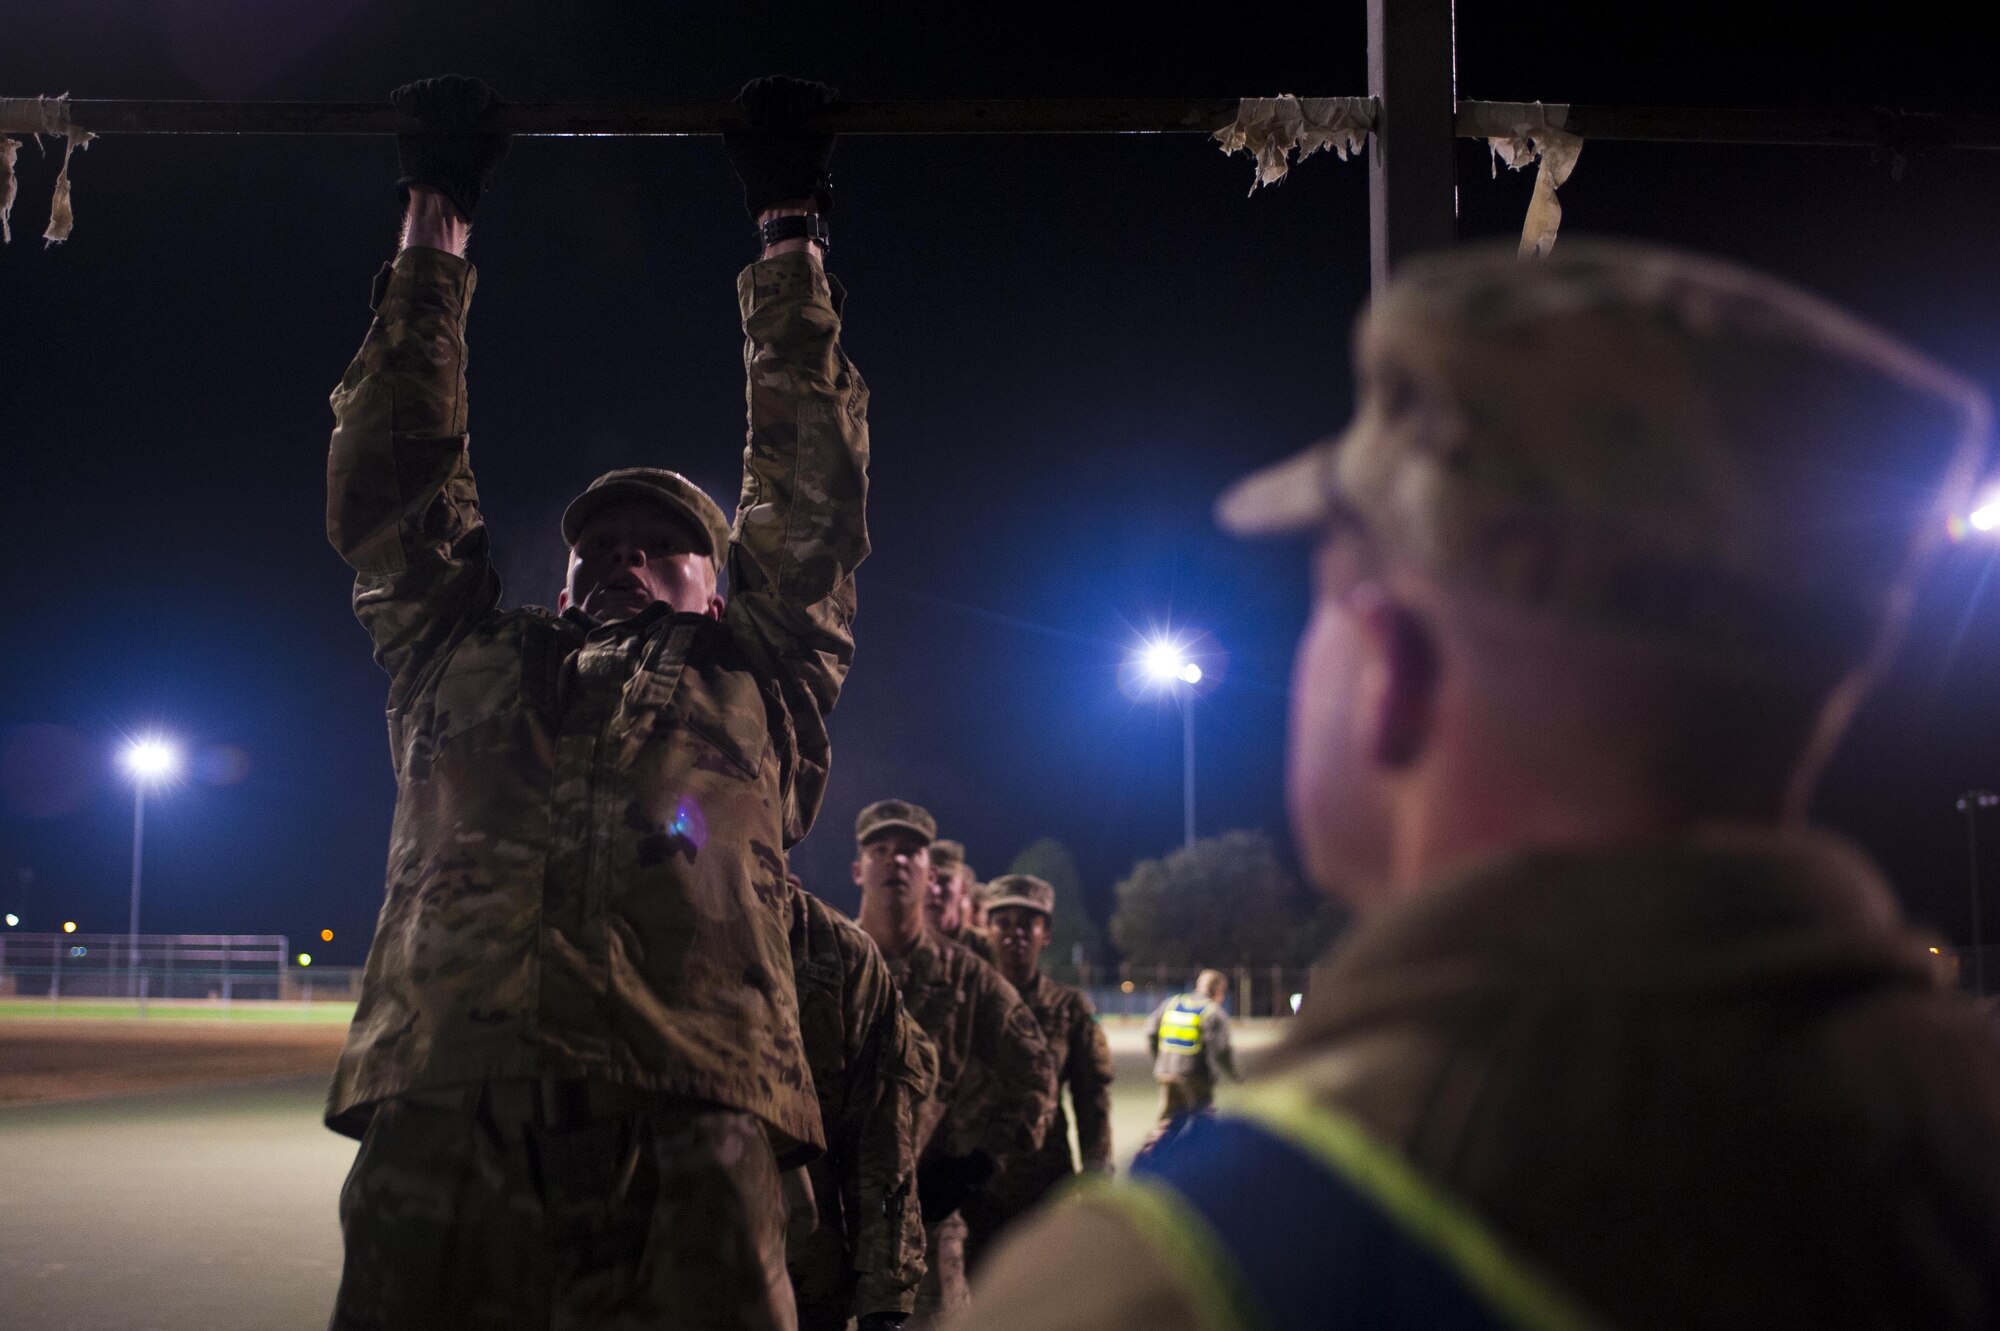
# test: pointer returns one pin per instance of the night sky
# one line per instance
(1072, 345)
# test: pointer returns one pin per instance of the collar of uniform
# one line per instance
(1723, 911)
(638, 623)
(920, 963)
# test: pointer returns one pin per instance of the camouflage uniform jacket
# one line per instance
(982, 947)
(1083, 1063)
(996, 1085)
(586, 872)
(872, 1067)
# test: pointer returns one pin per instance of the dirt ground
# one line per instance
(69, 1058)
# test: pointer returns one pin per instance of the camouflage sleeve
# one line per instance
(800, 529)
(401, 507)
(1088, 1071)
(895, 1067)
(1008, 1095)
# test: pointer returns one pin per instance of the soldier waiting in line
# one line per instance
(1020, 909)
(855, 1249)
(576, 1067)
(1616, 542)
(1188, 1039)
(949, 905)
(996, 1082)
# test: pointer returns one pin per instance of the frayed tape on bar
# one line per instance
(1281, 131)
(62, 217)
(8, 186)
(1531, 136)
(34, 115)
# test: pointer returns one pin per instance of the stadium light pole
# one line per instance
(1165, 667)
(1969, 804)
(148, 761)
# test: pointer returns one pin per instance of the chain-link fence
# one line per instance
(1134, 991)
(165, 968)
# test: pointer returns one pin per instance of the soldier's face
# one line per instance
(632, 553)
(897, 865)
(1337, 792)
(1018, 935)
(944, 903)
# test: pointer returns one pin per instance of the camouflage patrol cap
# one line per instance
(888, 815)
(680, 496)
(946, 855)
(1021, 889)
(1643, 438)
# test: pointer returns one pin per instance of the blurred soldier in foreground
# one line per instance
(996, 1087)
(576, 1066)
(1613, 547)
(948, 906)
(859, 1249)
(1020, 910)
(1188, 1037)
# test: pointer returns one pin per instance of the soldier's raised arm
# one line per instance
(401, 506)
(800, 529)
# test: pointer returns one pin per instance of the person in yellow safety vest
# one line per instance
(1188, 1036)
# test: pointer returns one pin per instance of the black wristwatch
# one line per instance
(795, 226)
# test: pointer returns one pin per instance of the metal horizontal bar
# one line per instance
(1861, 127)
(1115, 115)
(1852, 127)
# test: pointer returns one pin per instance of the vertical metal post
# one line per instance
(138, 836)
(1187, 768)
(1969, 804)
(1413, 77)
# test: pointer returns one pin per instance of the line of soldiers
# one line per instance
(976, 1075)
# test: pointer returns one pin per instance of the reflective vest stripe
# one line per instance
(1186, 1245)
(1180, 1025)
(1518, 1295)
(1289, 1216)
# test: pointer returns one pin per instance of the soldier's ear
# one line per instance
(714, 606)
(562, 601)
(1401, 688)
(857, 872)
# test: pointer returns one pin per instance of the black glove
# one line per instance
(775, 162)
(949, 1182)
(451, 159)
(881, 1322)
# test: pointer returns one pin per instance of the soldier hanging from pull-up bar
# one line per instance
(576, 1065)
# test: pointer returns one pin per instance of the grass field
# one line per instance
(118, 1009)
(212, 1206)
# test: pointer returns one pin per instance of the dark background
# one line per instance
(1073, 344)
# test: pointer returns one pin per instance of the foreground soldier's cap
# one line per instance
(1642, 438)
(947, 855)
(890, 815)
(1021, 889)
(705, 520)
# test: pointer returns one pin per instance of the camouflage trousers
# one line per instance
(487, 1209)
(818, 1256)
(944, 1293)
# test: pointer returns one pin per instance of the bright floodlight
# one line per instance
(1163, 662)
(12, 919)
(1986, 517)
(151, 759)
(1190, 674)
